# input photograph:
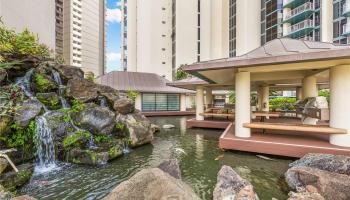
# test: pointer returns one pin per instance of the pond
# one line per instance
(199, 157)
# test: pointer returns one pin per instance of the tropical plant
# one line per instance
(180, 73)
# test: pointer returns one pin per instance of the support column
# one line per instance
(199, 103)
(259, 96)
(242, 110)
(339, 103)
(310, 87)
(208, 96)
(299, 93)
(265, 93)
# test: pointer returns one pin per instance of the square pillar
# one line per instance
(339, 103)
(242, 110)
(299, 93)
(199, 103)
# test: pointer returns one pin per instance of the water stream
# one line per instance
(45, 152)
(61, 88)
(103, 101)
(24, 83)
(199, 157)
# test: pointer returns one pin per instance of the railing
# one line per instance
(301, 25)
(346, 7)
(300, 9)
(346, 29)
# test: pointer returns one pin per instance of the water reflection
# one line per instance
(199, 166)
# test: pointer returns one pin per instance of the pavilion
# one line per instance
(305, 66)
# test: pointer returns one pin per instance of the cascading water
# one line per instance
(103, 101)
(61, 88)
(24, 83)
(45, 152)
(126, 148)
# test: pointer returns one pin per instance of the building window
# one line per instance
(163, 63)
(160, 102)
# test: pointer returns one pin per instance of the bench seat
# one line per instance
(295, 127)
(217, 114)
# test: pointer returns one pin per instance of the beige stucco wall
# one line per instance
(36, 15)
(326, 21)
(138, 102)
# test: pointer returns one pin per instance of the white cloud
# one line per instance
(119, 3)
(113, 56)
(114, 15)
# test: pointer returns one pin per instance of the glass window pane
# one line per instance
(148, 102)
(173, 102)
(161, 102)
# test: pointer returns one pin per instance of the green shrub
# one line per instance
(132, 94)
(282, 104)
(25, 42)
(20, 138)
(102, 138)
(324, 93)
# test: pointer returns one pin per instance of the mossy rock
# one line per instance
(4, 122)
(41, 81)
(99, 156)
(51, 100)
(12, 180)
(77, 140)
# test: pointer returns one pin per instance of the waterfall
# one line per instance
(126, 148)
(103, 101)
(45, 148)
(24, 83)
(61, 88)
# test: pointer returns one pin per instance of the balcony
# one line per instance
(346, 9)
(346, 30)
(293, 3)
(299, 14)
(300, 29)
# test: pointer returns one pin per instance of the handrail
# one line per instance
(3, 155)
(299, 9)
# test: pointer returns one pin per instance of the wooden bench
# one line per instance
(217, 114)
(295, 127)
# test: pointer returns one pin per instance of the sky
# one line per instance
(113, 35)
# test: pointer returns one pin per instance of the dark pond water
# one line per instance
(198, 154)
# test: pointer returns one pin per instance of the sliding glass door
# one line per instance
(160, 102)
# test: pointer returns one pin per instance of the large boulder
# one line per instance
(51, 100)
(69, 72)
(27, 111)
(88, 91)
(60, 127)
(124, 106)
(98, 156)
(308, 193)
(171, 167)
(231, 186)
(95, 119)
(152, 184)
(332, 163)
(139, 128)
(330, 185)
(13, 180)
(24, 197)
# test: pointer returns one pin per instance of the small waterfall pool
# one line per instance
(198, 154)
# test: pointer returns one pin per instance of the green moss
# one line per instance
(77, 106)
(75, 161)
(76, 140)
(102, 138)
(94, 157)
(50, 100)
(42, 83)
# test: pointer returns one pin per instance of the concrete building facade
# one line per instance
(83, 37)
(160, 36)
(36, 15)
(74, 29)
